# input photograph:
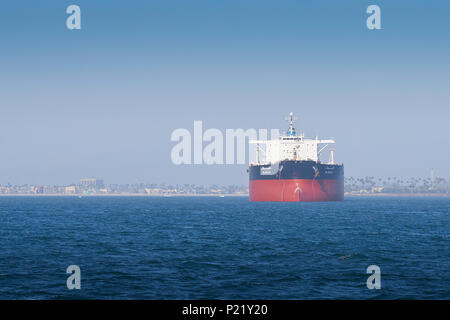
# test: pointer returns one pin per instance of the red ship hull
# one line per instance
(296, 190)
(296, 181)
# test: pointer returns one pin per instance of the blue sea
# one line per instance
(224, 248)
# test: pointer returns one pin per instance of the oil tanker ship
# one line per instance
(289, 169)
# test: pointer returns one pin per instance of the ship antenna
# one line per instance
(291, 119)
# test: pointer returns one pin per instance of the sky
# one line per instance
(103, 101)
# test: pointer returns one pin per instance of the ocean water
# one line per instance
(223, 248)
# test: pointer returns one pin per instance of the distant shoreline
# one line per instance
(124, 195)
(410, 195)
(398, 195)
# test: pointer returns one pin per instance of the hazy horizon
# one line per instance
(103, 101)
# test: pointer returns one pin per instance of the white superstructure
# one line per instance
(290, 147)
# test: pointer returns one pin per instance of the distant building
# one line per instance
(71, 190)
(91, 183)
(49, 190)
(37, 189)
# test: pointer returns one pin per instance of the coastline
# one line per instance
(124, 195)
(406, 195)
(376, 195)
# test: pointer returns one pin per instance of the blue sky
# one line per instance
(102, 101)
